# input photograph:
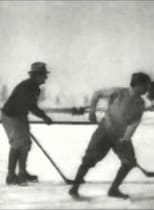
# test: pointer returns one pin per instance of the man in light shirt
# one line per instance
(125, 110)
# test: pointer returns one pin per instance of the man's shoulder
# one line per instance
(117, 90)
(22, 86)
(23, 83)
(112, 89)
(27, 83)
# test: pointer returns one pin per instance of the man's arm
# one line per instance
(41, 114)
(130, 131)
(100, 94)
(38, 112)
(132, 127)
(133, 117)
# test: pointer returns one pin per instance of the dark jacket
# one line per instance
(23, 100)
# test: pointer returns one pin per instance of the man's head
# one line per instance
(38, 72)
(140, 83)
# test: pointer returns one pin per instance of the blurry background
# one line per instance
(86, 44)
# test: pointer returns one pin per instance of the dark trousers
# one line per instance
(100, 144)
(17, 156)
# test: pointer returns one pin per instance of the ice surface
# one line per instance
(66, 145)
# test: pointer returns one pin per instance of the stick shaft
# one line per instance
(49, 158)
(65, 122)
(70, 110)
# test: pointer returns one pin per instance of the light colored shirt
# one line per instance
(124, 109)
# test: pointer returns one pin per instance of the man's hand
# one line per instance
(48, 120)
(92, 117)
(151, 108)
(122, 140)
(78, 111)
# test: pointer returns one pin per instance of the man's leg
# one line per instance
(22, 166)
(82, 171)
(12, 162)
(9, 125)
(97, 149)
(24, 175)
(122, 173)
(126, 154)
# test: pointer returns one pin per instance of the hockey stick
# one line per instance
(145, 172)
(72, 110)
(68, 181)
(65, 122)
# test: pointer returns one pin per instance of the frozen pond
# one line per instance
(66, 145)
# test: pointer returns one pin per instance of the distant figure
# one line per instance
(114, 131)
(23, 100)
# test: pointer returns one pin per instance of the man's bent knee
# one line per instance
(129, 164)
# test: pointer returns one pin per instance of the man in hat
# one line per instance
(23, 100)
(114, 131)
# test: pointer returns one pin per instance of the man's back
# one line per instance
(21, 99)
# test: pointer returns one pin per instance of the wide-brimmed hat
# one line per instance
(38, 68)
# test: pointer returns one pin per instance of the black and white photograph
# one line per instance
(76, 104)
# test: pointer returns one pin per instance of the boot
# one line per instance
(11, 178)
(114, 190)
(31, 178)
(78, 180)
(74, 191)
(22, 178)
(22, 168)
